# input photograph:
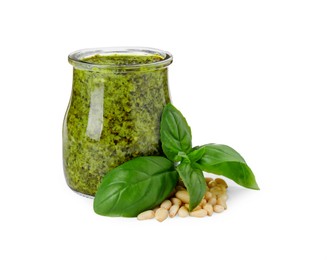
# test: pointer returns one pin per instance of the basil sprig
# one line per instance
(144, 182)
(213, 158)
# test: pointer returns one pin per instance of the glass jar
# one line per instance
(114, 111)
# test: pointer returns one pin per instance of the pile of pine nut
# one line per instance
(177, 203)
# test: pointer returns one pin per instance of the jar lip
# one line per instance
(76, 58)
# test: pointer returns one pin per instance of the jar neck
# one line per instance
(121, 59)
(117, 78)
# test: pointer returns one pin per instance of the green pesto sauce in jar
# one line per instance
(113, 116)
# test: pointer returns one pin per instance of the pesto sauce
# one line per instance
(122, 59)
(113, 116)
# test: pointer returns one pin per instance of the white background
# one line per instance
(249, 74)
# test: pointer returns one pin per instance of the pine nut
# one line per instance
(148, 214)
(166, 204)
(223, 197)
(222, 202)
(155, 209)
(203, 202)
(199, 213)
(161, 214)
(196, 208)
(212, 201)
(176, 201)
(208, 207)
(208, 179)
(218, 208)
(183, 196)
(208, 195)
(173, 210)
(186, 205)
(183, 212)
(221, 182)
(212, 184)
(218, 190)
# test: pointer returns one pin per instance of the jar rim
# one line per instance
(76, 58)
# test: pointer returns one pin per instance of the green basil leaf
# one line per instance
(196, 154)
(183, 156)
(194, 182)
(135, 186)
(223, 160)
(175, 133)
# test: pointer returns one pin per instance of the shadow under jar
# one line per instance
(114, 111)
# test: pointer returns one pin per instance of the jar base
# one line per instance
(84, 195)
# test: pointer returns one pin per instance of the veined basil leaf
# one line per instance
(194, 182)
(196, 154)
(223, 160)
(135, 186)
(175, 133)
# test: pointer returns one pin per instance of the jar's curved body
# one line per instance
(113, 116)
